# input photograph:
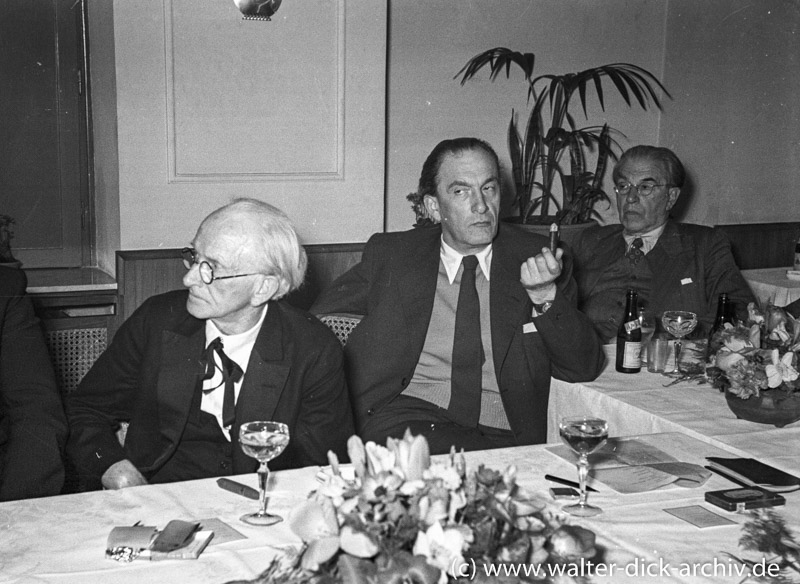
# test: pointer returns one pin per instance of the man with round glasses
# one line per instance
(189, 367)
(672, 266)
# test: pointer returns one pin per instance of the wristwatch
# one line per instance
(540, 309)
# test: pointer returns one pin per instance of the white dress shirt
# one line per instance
(238, 348)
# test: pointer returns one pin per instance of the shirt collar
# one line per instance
(452, 260)
(649, 239)
(233, 343)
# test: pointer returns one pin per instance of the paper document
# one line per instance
(629, 465)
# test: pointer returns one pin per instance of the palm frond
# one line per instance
(536, 154)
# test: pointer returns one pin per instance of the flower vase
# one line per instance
(774, 407)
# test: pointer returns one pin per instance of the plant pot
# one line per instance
(567, 233)
(774, 407)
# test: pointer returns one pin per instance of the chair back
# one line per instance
(73, 352)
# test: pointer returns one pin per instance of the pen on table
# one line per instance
(238, 488)
(561, 481)
(553, 237)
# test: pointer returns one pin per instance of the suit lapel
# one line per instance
(603, 255)
(264, 382)
(419, 265)
(178, 378)
(508, 301)
(665, 264)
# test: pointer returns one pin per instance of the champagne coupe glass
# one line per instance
(263, 441)
(647, 322)
(584, 435)
(679, 323)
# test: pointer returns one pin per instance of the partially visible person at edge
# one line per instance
(400, 357)
(672, 266)
(33, 428)
(163, 374)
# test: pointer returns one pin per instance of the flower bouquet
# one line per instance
(755, 364)
(401, 519)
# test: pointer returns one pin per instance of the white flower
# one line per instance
(442, 547)
(379, 458)
(432, 510)
(412, 455)
(753, 314)
(314, 521)
(779, 333)
(725, 359)
(357, 543)
(780, 370)
(448, 474)
(573, 541)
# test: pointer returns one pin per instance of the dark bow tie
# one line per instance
(231, 373)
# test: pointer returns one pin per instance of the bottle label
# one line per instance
(631, 358)
(632, 325)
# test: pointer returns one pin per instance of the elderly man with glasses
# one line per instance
(189, 367)
(672, 266)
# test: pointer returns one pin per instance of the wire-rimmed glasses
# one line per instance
(644, 189)
(189, 257)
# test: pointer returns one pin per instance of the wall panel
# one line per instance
(212, 107)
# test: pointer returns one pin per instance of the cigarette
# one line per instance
(553, 236)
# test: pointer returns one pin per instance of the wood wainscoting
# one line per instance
(144, 273)
(763, 245)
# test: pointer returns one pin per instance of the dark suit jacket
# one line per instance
(151, 372)
(394, 286)
(33, 428)
(691, 266)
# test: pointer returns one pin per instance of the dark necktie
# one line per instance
(635, 252)
(231, 373)
(468, 357)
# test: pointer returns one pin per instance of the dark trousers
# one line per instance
(432, 422)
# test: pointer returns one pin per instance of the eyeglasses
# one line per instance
(189, 257)
(644, 189)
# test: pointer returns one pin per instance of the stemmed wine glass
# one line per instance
(584, 435)
(679, 323)
(263, 441)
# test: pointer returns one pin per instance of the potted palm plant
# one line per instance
(551, 131)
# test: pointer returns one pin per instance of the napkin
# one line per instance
(178, 540)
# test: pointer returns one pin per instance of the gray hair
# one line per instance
(278, 246)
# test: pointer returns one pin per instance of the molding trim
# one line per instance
(172, 138)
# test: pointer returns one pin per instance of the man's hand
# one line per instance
(122, 474)
(538, 275)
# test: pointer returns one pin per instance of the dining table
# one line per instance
(645, 403)
(773, 285)
(62, 539)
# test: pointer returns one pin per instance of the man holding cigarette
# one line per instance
(463, 322)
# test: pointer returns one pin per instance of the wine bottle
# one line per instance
(797, 254)
(724, 314)
(629, 337)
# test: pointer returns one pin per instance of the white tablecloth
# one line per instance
(771, 286)
(61, 540)
(639, 404)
